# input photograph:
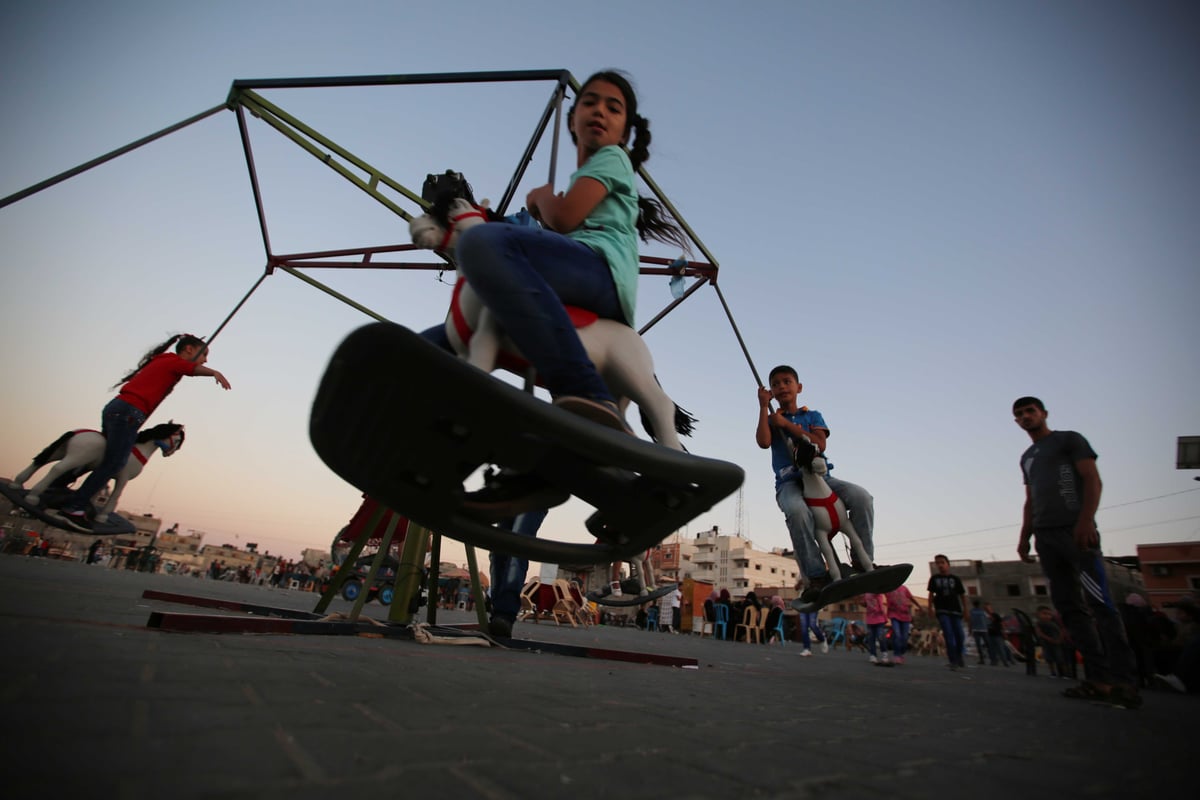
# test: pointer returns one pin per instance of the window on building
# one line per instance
(1161, 570)
(1041, 590)
(1012, 590)
(1194, 581)
(758, 567)
(972, 591)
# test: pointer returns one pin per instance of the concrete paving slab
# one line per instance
(98, 705)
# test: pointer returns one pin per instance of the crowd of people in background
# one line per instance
(1166, 645)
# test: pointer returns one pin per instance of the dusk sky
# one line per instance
(928, 208)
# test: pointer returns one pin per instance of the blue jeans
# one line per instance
(808, 622)
(900, 630)
(120, 423)
(508, 572)
(1079, 590)
(982, 648)
(875, 637)
(860, 505)
(999, 649)
(524, 275)
(952, 629)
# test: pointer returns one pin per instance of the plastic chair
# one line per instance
(749, 623)
(778, 629)
(836, 632)
(563, 606)
(722, 623)
(763, 613)
(652, 619)
(529, 600)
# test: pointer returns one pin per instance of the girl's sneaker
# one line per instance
(899, 659)
(602, 412)
(76, 520)
(873, 659)
(825, 647)
(806, 653)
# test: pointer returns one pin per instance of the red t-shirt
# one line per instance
(154, 382)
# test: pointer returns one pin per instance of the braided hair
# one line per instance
(180, 340)
(653, 220)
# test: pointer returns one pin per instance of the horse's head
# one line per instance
(167, 435)
(807, 456)
(446, 220)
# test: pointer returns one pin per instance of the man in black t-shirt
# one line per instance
(1062, 493)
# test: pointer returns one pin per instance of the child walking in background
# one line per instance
(876, 619)
(1050, 637)
(142, 390)
(948, 599)
(978, 622)
(900, 604)
(808, 622)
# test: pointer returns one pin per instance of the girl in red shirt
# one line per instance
(141, 392)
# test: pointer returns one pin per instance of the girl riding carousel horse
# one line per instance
(141, 392)
(585, 254)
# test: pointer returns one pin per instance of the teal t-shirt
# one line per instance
(611, 228)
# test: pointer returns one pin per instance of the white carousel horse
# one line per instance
(82, 451)
(828, 510)
(605, 579)
(619, 353)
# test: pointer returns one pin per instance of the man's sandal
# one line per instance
(1085, 691)
(1119, 696)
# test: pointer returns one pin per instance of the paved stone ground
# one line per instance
(99, 706)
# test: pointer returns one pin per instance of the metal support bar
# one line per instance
(385, 544)
(527, 155)
(236, 309)
(670, 306)
(501, 76)
(311, 282)
(347, 567)
(476, 588)
(294, 129)
(95, 162)
(433, 582)
(738, 334)
(408, 572)
(252, 171)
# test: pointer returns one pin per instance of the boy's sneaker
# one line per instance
(806, 653)
(76, 520)
(1171, 683)
(873, 659)
(602, 412)
(815, 585)
(899, 659)
(824, 647)
(501, 627)
(614, 589)
(1124, 697)
(506, 493)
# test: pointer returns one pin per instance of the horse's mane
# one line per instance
(160, 431)
(440, 191)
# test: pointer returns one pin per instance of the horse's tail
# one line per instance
(50, 453)
(685, 423)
